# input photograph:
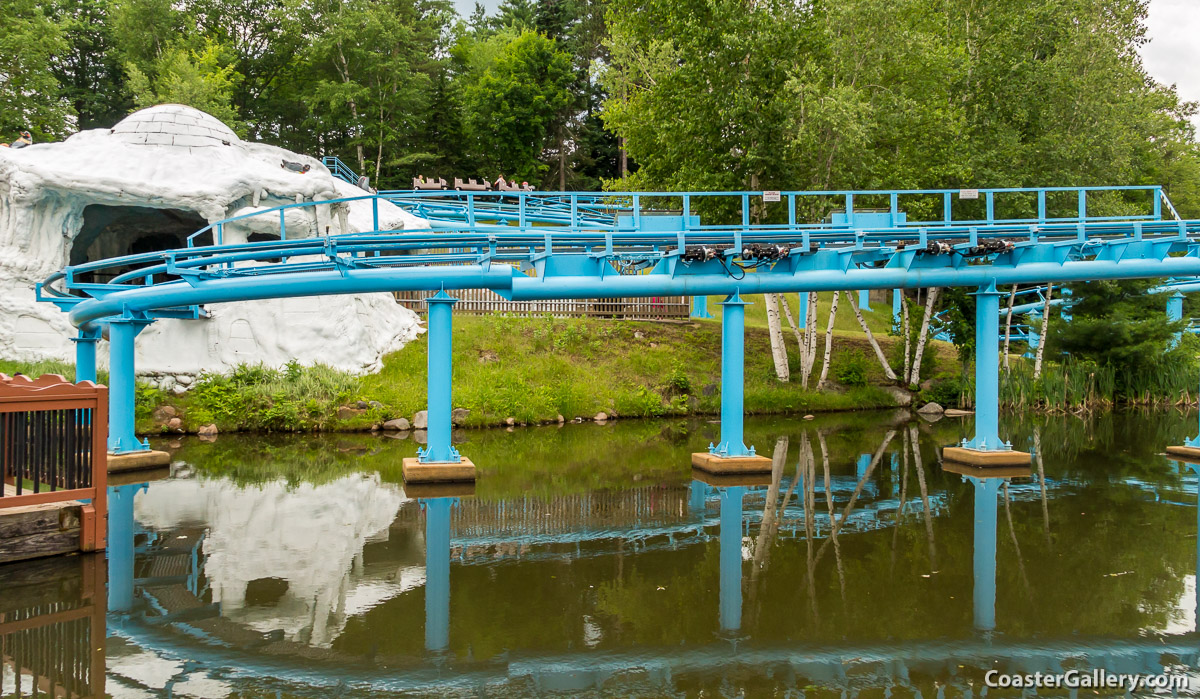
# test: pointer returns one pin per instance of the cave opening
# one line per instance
(115, 231)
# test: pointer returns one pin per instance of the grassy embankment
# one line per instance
(535, 369)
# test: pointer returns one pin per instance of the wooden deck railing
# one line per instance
(53, 448)
(479, 301)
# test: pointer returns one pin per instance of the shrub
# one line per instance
(851, 369)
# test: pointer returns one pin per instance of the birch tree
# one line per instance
(828, 342)
(930, 300)
(1037, 360)
(887, 368)
(1008, 324)
(775, 330)
(907, 331)
(810, 336)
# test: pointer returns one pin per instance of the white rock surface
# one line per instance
(176, 158)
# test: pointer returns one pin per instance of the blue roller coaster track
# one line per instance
(559, 245)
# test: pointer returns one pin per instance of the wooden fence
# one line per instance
(53, 450)
(479, 301)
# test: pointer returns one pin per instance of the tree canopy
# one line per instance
(719, 94)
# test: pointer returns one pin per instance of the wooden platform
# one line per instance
(138, 461)
(986, 459)
(33, 531)
(417, 472)
(721, 465)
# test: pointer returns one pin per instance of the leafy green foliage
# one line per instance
(30, 97)
(851, 368)
(869, 94)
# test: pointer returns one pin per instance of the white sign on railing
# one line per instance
(968, 194)
(772, 196)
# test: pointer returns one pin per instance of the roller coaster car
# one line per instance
(421, 183)
(471, 185)
(757, 251)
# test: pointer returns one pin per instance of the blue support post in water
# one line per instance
(1175, 314)
(700, 307)
(986, 494)
(864, 300)
(733, 355)
(440, 328)
(897, 295)
(85, 356)
(120, 546)
(864, 463)
(697, 493)
(731, 558)
(122, 387)
(987, 371)
(802, 321)
(437, 572)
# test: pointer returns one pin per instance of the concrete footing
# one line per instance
(138, 461)
(986, 458)
(719, 465)
(417, 472)
(449, 489)
(1185, 453)
(987, 471)
(730, 480)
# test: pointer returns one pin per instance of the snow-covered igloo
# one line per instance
(147, 184)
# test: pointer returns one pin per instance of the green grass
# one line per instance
(533, 370)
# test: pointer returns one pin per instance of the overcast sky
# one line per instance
(1173, 54)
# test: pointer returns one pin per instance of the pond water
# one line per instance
(589, 561)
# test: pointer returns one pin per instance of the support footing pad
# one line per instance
(1188, 453)
(1018, 471)
(730, 480)
(986, 459)
(417, 472)
(138, 461)
(733, 464)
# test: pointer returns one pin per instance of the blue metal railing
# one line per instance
(339, 169)
(580, 235)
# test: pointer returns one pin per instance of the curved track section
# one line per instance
(562, 245)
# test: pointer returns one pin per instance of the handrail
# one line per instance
(339, 169)
(53, 442)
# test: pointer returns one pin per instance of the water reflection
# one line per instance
(858, 563)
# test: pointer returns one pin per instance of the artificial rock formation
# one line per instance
(147, 184)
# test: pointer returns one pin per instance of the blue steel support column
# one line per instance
(120, 546)
(85, 356)
(986, 495)
(802, 321)
(440, 378)
(987, 370)
(731, 558)
(122, 387)
(864, 300)
(700, 307)
(437, 572)
(1175, 314)
(897, 294)
(733, 355)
